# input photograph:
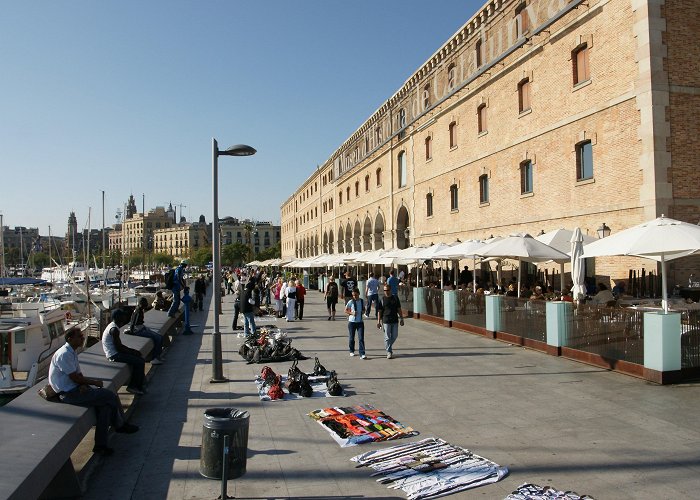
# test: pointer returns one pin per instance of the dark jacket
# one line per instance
(249, 295)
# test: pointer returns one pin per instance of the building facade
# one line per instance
(535, 115)
(258, 235)
(181, 240)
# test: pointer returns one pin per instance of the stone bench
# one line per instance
(37, 437)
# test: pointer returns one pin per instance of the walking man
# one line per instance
(299, 304)
(248, 307)
(68, 381)
(354, 309)
(178, 284)
(200, 288)
(372, 294)
(331, 297)
(393, 283)
(390, 316)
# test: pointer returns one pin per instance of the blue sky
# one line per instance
(125, 96)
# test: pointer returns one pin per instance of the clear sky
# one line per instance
(125, 96)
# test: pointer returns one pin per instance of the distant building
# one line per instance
(182, 240)
(260, 235)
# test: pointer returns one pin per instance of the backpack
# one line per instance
(170, 279)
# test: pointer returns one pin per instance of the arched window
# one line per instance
(428, 148)
(379, 176)
(451, 77)
(481, 118)
(426, 97)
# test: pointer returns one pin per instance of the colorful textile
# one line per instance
(350, 426)
(528, 491)
(430, 468)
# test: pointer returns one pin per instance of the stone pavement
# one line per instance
(551, 421)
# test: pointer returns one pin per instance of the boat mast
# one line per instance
(104, 255)
(87, 264)
(21, 250)
(51, 265)
(2, 245)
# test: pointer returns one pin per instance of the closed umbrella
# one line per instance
(660, 239)
(578, 269)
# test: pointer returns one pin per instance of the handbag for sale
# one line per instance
(319, 369)
(276, 391)
(334, 387)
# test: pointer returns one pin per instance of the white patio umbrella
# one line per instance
(430, 253)
(578, 270)
(524, 248)
(561, 240)
(464, 250)
(660, 239)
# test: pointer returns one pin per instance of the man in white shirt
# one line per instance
(73, 388)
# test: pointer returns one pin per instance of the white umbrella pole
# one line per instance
(520, 267)
(498, 271)
(561, 276)
(664, 297)
(473, 274)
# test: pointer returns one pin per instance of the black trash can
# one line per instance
(219, 422)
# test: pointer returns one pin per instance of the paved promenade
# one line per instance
(551, 421)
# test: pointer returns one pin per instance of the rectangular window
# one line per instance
(454, 197)
(429, 204)
(524, 95)
(402, 169)
(582, 72)
(584, 161)
(428, 148)
(453, 135)
(481, 119)
(526, 177)
(484, 189)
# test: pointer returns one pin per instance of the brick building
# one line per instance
(535, 115)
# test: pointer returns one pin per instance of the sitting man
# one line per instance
(160, 303)
(118, 352)
(138, 328)
(75, 389)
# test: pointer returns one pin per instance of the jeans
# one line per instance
(176, 303)
(107, 407)
(360, 329)
(137, 368)
(248, 323)
(372, 298)
(391, 333)
(236, 312)
(157, 339)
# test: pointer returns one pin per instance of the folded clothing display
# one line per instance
(527, 491)
(430, 468)
(350, 426)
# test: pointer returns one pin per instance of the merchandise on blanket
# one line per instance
(334, 387)
(430, 468)
(528, 491)
(305, 389)
(350, 426)
(319, 369)
(268, 345)
(268, 375)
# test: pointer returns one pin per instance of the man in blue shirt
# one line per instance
(393, 282)
(73, 388)
(178, 284)
(372, 294)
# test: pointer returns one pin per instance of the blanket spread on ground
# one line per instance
(350, 426)
(318, 384)
(528, 491)
(430, 468)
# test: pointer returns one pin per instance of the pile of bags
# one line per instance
(269, 346)
(298, 382)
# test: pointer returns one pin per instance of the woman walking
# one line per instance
(331, 297)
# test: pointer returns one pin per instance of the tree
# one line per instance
(201, 257)
(163, 259)
(234, 254)
(274, 252)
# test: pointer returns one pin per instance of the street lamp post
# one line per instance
(238, 150)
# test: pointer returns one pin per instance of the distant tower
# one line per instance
(131, 207)
(202, 220)
(72, 232)
(171, 212)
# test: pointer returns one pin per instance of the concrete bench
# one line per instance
(37, 437)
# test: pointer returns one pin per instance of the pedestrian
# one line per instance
(178, 284)
(117, 352)
(200, 289)
(372, 294)
(299, 304)
(393, 282)
(347, 285)
(238, 292)
(390, 316)
(291, 293)
(331, 297)
(356, 325)
(187, 300)
(248, 308)
(74, 388)
(137, 327)
(277, 294)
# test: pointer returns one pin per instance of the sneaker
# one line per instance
(134, 390)
(156, 361)
(104, 451)
(127, 428)
(389, 355)
(329, 318)
(352, 354)
(365, 316)
(363, 357)
(240, 335)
